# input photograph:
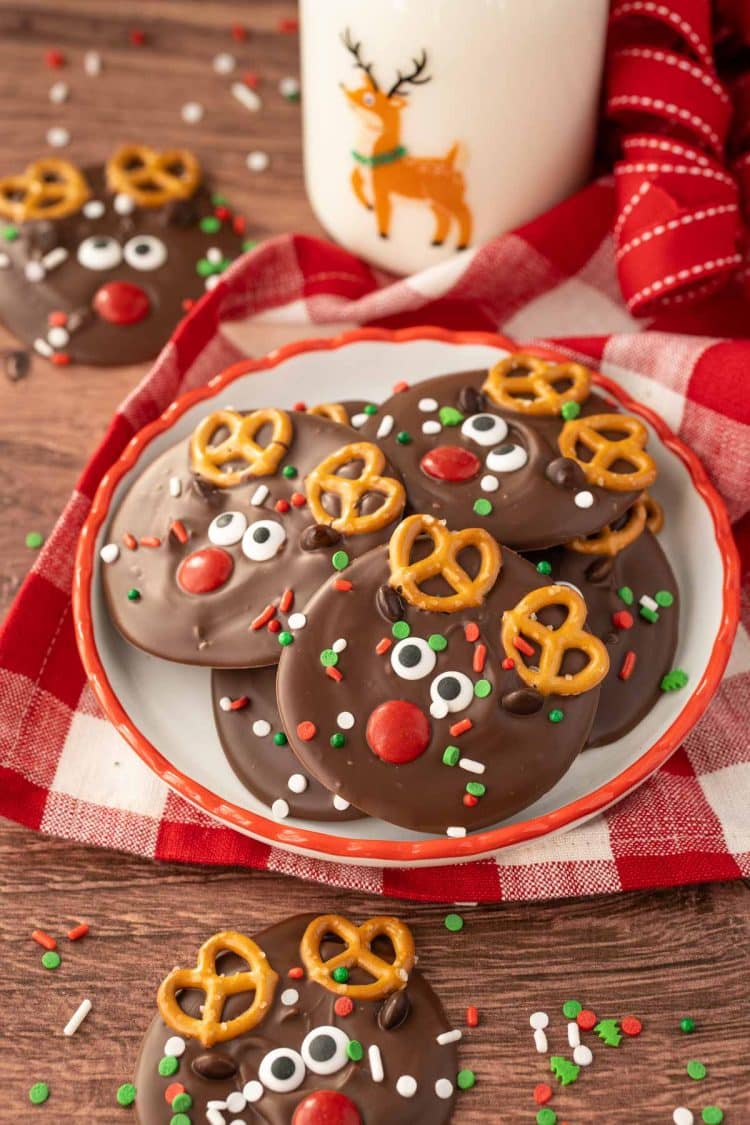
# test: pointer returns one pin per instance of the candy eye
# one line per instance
(282, 1070)
(450, 691)
(99, 252)
(227, 529)
(324, 1050)
(145, 252)
(507, 458)
(412, 659)
(485, 429)
(263, 540)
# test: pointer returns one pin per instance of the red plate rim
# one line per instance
(435, 849)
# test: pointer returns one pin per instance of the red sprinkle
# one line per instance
(137, 37)
(130, 541)
(239, 703)
(57, 319)
(274, 626)
(631, 1025)
(222, 213)
(334, 674)
(78, 931)
(264, 617)
(460, 727)
(288, 25)
(472, 1016)
(301, 406)
(542, 1093)
(523, 646)
(480, 656)
(586, 1019)
(172, 1090)
(399, 388)
(239, 33)
(150, 541)
(41, 937)
(298, 500)
(344, 1006)
(296, 972)
(54, 58)
(508, 664)
(187, 304)
(251, 79)
(178, 529)
(471, 631)
(239, 224)
(628, 665)
(287, 600)
(470, 800)
(383, 645)
(306, 730)
(622, 619)
(343, 584)
(60, 359)
(282, 506)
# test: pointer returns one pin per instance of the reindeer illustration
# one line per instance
(384, 168)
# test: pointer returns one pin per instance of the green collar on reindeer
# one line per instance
(389, 157)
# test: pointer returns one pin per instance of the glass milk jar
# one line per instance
(434, 125)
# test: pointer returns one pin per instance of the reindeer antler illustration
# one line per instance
(412, 79)
(355, 49)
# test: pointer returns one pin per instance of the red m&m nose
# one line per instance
(204, 570)
(451, 463)
(327, 1107)
(121, 302)
(398, 731)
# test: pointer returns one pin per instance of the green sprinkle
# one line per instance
(546, 1116)
(182, 1102)
(38, 1093)
(664, 598)
(544, 567)
(10, 233)
(289, 472)
(340, 974)
(556, 715)
(403, 437)
(437, 642)
(51, 959)
(219, 200)
(625, 594)
(168, 1066)
(465, 1079)
(371, 408)
(712, 1115)
(179, 1119)
(354, 1049)
(329, 658)
(134, 595)
(482, 689)
(249, 244)
(482, 506)
(339, 560)
(687, 1025)
(204, 268)
(476, 788)
(337, 740)
(649, 614)
(449, 416)
(401, 629)
(696, 1070)
(571, 1008)
(285, 639)
(210, 224)
(34, 540)
(570, 410)
(279, 738)
(674, 680)
(125, 1094)
(453, 922)
(451, 754)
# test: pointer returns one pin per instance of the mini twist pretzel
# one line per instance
(535, 392)
(388, 976)
(645, 513)
(262, 460)
(591, 432)
(350, 491)
(153, 178)
(407, 576)
(210, 1028)
(334, 411)
(554, 643)
(48, 189)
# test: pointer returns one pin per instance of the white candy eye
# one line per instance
(99, 252)
(485, 429)
(282, 1070)
(324, 1050)
(412, 659)
(263, 540)
(145, 252)
(450, 691)
(227, 529)
(507, 458)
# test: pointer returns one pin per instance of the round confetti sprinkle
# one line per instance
(175, 1046)
(546, 1116)
(51, 959)
(571, 1008)
(296, 783)
(544, 567)
(712, 1115)
(631, 1025)
(224, 63)
(280, 738)
(437, 642)
(570, 410)
(401, 630)
(134, 595)
(289, 88)
(280, 808)
(696, 1070)
(345, 720)
(338, 740)
(339, 560)
(180, 1119)
(453, 922)
(406, 1086)
(297, 621)
(354, 1049)
(556, 715)
(582, 1055)
(261, 727)
(583, 499)
(687, 1025)
(58, 137)
(539, 1020)
(257, 161)
(39, 1092)
(465, 1079)
(182, 1102)
(286, 638)
(191, 113)
(664, 598)
(125, 1094)
(483, 507)
(34, 540)
(343, 1006)
(329, 658)
(451, 755)
(168, 1066)
(306, 730)
(443, 1088)
(542, 1093)
(489, 483)
(586, 1019)
(289, 997)
(109, 553)
(482, 689)
(682, 1116)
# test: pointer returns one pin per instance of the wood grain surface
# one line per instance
(658, 955)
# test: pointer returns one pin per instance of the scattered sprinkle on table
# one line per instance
(687, 1025)
(571, 1008)
(682, 1116)
(546, 1116)
(257, 160)
(51, 959)
(712, 1115)
(78, 931)
(34, 540)
(542, 1093)
(465, 1079)
(41, 937)
(696, 1070)
(58, 137)
(75, 1021)
(191, 113)
(38, 1093)
(126, 1094)
(454, 923)
(289, 88)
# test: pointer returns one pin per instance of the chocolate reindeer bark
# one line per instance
(213, 552)
(315, 1022)
(466, 683)
(525, 449)
(98, 266)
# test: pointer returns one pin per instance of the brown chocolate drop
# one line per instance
(471, 401)
(318, 536)
(389, 603)
(565, 473)
(394, 1011)
(599, 569)
(215, 1066)
(523, 701)
(17, 364)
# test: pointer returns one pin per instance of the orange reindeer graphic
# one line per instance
(384, 168)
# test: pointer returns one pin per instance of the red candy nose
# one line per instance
(205, 570)
(451, 463)
(327, 1107)
(398, 731)
(121, 302)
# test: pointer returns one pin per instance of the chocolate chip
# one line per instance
(471, 401)
(523, 701)
(389, 604)
(599, 569)
(17, 364)
(565, 473)
(318, 536)
(394, 1011)
(214, 1066)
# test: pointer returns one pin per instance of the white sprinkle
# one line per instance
(214, 255)
(43, 348)
(289, 87)
(583, 499)
(225, 703)
(471, 766)
(59, 92)
(456, 831)
(489, 483)
(339, 644)
(260, 496)
(257, 160)
(280, 808)
(191, 113)
(109, 553)
(376, 1063)
(75, 1021)
(406, 1086)
(432, 426)
(94, 209)
(236, 1101)
(345, 720)
(438, 708)
(34, 271)
(58, 136)
(261, 727)
(215, 1117)
(253, 1091)
(682, 1116)
(224, 63)
(574, 1034)
(246, 97)
(582, 1055)
(55, 258)
(340, 803)
(451, 1036)
(4, 260)
(174, 1048)
(539, 1020)
(385, 427)
(444, 1088)
(123, 204)
(296, 783)
(359, 420)
(427, 405)
(175, 486)
(289, 998)
(649, 603)
(212, 281)
(296, 621)
(58, 336)
(92, 63)
(540, 1041)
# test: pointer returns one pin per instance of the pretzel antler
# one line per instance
(50, 188)
(354, 49)
(412, 79)
(387, 976)
(153, 178)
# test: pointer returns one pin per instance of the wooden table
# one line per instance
(659, 955)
